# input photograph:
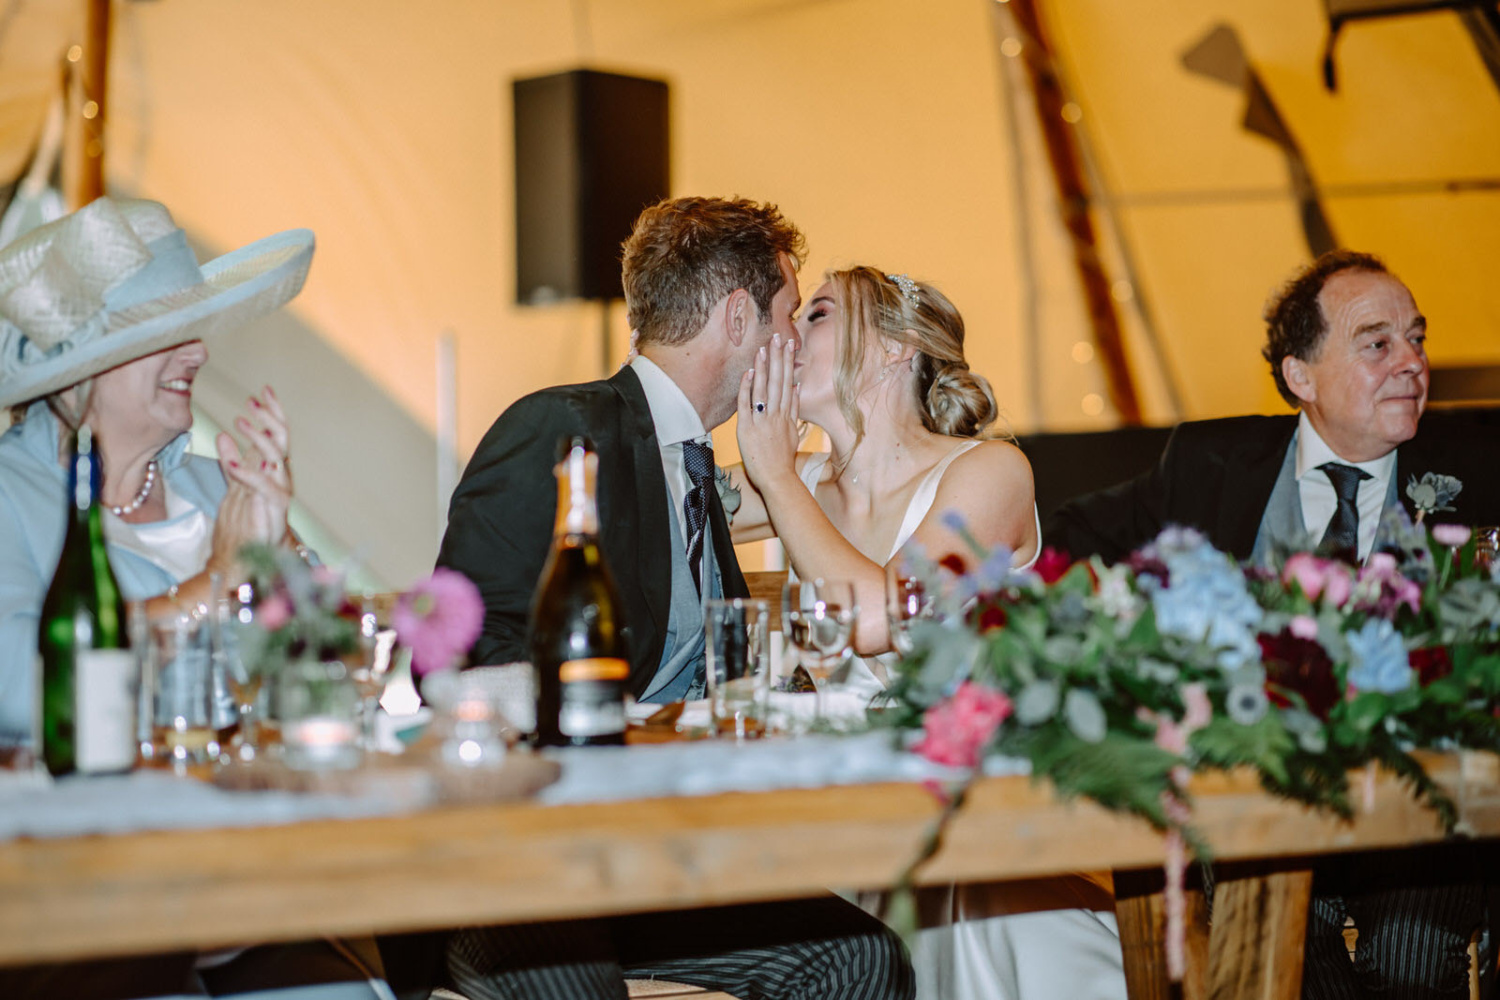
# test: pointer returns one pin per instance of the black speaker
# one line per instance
(591, 152)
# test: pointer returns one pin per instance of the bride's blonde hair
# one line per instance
(876, 308)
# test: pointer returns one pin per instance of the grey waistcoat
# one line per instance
(680, 676)
(1281, 526)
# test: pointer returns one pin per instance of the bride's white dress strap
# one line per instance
(926, 493)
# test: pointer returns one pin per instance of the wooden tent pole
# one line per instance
(1074, 203)
(88, 78)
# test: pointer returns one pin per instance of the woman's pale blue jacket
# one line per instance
(33, 518)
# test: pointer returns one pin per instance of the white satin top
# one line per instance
(867, 675)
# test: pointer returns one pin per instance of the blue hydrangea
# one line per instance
(1206, 599)
(1378, 658)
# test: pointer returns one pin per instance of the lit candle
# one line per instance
(319, 732)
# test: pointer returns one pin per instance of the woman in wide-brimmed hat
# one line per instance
(103, 317)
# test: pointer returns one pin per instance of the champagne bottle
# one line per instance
(576, 646)
(87, 673)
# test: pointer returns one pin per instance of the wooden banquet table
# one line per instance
(105, 895)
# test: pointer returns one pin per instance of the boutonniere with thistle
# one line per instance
(1432, 493)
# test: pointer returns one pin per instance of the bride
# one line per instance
(881, 369)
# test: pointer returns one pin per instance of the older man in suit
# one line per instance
(711, 287)
(1347, 347)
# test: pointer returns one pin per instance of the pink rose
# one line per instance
(1303, 627)
(1306, 570)
(956, 730)
(1338, 585)
(1319, 577)
(274, 612)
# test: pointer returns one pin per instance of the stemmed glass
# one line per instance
(818, 617)
(377, 647)
(907, 602)
(244, 679)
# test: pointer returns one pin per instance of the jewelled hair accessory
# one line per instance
(908, 288)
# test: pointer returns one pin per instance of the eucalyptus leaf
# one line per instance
(1037, 702)
(951, 655)
(1085, 715)
(1063, 650)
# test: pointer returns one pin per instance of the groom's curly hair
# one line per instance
(685, 254)
(1295, 324)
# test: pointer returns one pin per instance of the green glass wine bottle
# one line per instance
(87, 672)
(577, 643)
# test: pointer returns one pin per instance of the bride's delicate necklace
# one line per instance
(141, 497)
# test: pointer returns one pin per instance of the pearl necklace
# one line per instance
(140, 497)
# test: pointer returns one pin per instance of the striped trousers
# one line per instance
(817, 949)
(1415, 916)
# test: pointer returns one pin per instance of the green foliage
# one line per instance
(298, 611)
(1178, 690)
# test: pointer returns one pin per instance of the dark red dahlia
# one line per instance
(1299, 665)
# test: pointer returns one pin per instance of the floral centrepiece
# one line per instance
(300, 612)
(1127, 679)
(305, 612)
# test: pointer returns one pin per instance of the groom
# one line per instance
(709, 283)
(1347, 347)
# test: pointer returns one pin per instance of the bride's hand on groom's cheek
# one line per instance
(768, 400)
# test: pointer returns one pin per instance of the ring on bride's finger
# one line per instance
(760, 407)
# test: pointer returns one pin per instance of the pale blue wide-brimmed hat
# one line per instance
(115, 281)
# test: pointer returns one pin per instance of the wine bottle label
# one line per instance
(598, 668)
(593, 696)
(106, 701)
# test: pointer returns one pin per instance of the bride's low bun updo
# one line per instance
(951, 399)
(956, 401)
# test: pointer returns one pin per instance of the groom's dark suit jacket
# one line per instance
(1217, 476)
(501, 518)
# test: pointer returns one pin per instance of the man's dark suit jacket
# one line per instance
(501, 518)
(1217, 476)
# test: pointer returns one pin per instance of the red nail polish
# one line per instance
(255, 402)
(233, 464)
(262, 465)
(267, 432)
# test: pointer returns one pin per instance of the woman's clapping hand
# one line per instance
(260, 480)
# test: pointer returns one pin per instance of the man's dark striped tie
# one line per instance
(698, 460)
(1343, 530)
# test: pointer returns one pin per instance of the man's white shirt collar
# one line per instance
(674, 416)
(1313, 451)
(1319, 499)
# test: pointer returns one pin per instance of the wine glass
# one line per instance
(818, 617)
(907, 602)
(244, 678)
(377, 647)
